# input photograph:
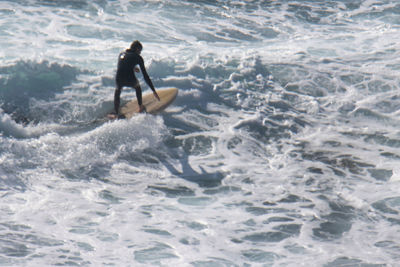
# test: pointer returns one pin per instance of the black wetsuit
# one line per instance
(126, 75)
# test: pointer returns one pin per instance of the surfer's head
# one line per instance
(136, 46)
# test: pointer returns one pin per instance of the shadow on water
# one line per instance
(202, 178)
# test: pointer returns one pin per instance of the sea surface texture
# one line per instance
(281, 149)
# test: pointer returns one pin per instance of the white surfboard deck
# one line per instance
(152, 105)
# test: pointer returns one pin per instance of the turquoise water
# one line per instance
(282, 148)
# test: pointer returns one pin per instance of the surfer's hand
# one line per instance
(156, 96)
(137, 69)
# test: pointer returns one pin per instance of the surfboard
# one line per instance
(152, 105)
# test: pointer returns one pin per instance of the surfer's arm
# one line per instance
(147, 78)
(145, 75)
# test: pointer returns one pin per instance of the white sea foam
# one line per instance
(281, 148)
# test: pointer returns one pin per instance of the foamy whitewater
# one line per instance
(281, 149)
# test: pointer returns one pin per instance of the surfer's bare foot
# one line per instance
(142, 109)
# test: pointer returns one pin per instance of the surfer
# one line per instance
(127, 62)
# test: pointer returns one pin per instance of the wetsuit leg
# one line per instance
(138, 94)
(117, 98)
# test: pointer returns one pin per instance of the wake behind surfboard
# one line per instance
(152, 105)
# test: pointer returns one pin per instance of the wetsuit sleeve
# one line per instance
(145, 75)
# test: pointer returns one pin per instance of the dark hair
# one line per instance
(136, 45)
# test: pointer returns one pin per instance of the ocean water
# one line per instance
(281, 149)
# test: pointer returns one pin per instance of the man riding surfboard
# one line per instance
(127, 62)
